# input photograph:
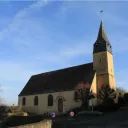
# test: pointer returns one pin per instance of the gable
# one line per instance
(59, 80)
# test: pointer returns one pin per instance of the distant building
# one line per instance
(54, 91)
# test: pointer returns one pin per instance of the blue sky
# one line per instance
(39, 36)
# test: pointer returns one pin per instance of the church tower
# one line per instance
(103, 60)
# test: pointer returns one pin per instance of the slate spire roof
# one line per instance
(102, 43)
(102, 33)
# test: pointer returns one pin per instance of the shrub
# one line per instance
(2, 112)
(126, 97)
(108, 102)
(121, 101)
(106, 108)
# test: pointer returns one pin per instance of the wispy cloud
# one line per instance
(12, 71)
(17, 20)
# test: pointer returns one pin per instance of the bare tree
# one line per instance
(2, 106)
(120, 91)
(84, 96)
(1, 99)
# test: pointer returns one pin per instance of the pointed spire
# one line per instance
(102, 34)
(102, 43)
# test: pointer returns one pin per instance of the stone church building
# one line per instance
(54, 91)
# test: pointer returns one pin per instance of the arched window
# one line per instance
(50, 100)
(36, 100)
(23, 101)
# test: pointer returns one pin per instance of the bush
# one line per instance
(110, 108)
(121, 101)
(126, 97)
(108, 102)
(107, 106)
(2, 112)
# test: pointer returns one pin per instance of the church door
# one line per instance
(60, 105)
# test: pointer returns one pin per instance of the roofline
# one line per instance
(63, 69)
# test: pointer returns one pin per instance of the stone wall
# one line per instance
(41, 124)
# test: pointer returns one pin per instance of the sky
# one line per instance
(40, 36)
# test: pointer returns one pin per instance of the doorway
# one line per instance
(60, 105)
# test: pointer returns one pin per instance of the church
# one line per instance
(54, 91)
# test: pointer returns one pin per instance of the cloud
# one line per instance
(17, 20)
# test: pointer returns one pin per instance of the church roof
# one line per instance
(59, 80)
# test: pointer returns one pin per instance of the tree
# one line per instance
(1, 100)
(120, 91)
(121, 101)
(83, 95)
(107, 94)
(126, 97)
(2, 107)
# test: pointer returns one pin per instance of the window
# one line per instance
(23, 101)
(36, 100)
(50, 100)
